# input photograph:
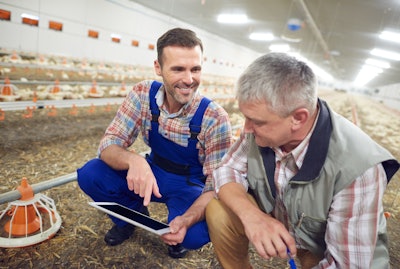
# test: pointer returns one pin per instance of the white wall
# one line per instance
(130, 20)
(389, 95)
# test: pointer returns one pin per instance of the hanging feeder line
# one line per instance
(38, 187)
(30, 220)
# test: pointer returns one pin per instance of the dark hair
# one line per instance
(177, 37)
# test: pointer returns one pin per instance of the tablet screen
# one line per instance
(132, 216)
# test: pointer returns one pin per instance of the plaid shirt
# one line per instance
(134, 117)
(351, 232)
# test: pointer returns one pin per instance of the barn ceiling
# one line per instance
(336, 35)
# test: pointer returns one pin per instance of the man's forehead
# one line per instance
(182, 55)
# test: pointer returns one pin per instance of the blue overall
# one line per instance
(176, 168)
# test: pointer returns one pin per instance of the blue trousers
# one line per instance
(104, 184)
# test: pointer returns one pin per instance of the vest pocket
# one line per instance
(311, 229)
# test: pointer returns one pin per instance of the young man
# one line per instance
(301, 178)
(188, 135)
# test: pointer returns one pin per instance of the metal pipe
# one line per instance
(38, 187)
(317, 33)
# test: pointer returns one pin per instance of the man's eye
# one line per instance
(258, 123)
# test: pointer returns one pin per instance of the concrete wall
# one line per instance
(388, 95)
(129, 20)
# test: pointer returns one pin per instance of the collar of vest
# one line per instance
(316, 152)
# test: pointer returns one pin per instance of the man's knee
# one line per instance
(218, 217)
(85, 174)
(212, 213)
(227, 234)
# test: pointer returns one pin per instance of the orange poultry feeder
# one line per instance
(30, 220)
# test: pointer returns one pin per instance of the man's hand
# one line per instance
(268, 235)
(180, 224)
(141, 180)
(178, 227)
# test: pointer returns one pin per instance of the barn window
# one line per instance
(57, 26)
(135, 43)
(93, 34)
(5, 15)
(30, 19)
(115, 38)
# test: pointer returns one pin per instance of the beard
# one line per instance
(182, 94)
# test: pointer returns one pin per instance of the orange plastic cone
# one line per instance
(6, 90)
(25, 220)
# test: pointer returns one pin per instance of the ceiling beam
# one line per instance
(317, 33)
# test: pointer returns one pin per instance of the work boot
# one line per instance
(177, 251)
(118, 234)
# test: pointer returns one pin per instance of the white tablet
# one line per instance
(131, 216)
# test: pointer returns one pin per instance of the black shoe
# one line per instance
(177, 251)
(118, 234)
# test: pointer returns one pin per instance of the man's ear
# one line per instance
(157, 68)
(299, 118)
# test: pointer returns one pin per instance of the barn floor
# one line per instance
(43, 147)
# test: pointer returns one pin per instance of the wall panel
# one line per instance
(121, 17)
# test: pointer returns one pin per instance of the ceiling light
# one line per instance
(377, 63)
(386, 54)
(391, 36)
(232, 18)
(261, 36)
(366, 74)
(279, 47)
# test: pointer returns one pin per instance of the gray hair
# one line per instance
(284, 82)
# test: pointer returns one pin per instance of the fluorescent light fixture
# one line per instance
(29, 16)
(377, 63)
(390, 36)
(261, 36)
(279, 47)
(366, 74)
(386, 54)
(232, 18)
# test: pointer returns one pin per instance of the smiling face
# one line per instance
(181, 73)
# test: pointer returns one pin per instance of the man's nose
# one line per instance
(188, 78)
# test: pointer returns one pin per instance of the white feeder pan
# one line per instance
(47, 214)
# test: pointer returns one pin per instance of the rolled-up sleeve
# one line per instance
(233, 167)
(125, 127)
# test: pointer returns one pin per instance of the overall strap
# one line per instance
(195, 123)
(155, 112)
